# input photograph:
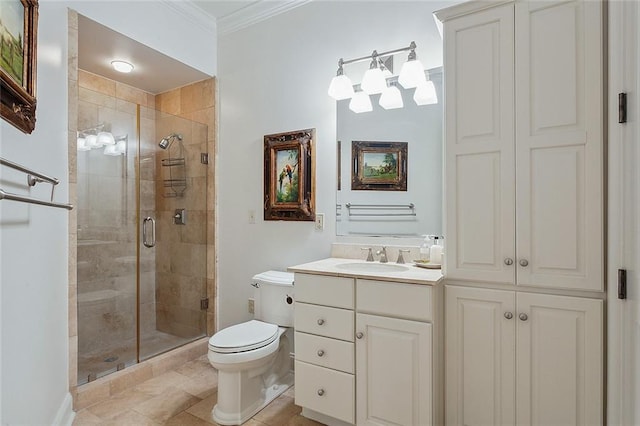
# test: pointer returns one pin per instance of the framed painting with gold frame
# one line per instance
(379, 166)
(289, 176)
(18, 40)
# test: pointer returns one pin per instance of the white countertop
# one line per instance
(413, 274)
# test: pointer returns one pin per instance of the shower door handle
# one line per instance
(145, 237)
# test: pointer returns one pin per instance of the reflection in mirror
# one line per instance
(384, 210)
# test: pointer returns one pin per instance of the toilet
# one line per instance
(253, 358)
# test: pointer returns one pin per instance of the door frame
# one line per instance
(623, 62)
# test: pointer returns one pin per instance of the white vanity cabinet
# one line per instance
(524, 143)
(522, 358)
(368, 351)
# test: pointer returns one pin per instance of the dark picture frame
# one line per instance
(379, 166)
(18, 52)
(289, 176)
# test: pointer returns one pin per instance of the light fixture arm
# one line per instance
(411, 47)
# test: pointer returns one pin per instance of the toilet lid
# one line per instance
(244, 337)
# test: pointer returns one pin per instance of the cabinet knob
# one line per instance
(524, 262)
(508, 261)
(320, 392)
(320, 321)
(508, 315)
(359, 335)
(320, 352)
(523, 317)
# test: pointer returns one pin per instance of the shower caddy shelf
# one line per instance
(175, 185)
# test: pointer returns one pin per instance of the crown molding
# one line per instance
(255, 12)
(193, 13)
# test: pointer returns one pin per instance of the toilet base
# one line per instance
(267, 395)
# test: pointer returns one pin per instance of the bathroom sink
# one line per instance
(372, 267)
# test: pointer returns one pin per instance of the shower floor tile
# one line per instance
(182, 397)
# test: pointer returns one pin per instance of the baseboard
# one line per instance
(65, 414)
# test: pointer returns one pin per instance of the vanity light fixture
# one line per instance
(122, 66)
(118, 148)
(375, 78)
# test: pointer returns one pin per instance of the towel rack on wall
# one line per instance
(383, 209)
(33, 178)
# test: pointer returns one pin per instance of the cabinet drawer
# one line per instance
(410, 301)
(324, 321)
(324, 290)
(326, 391)
(325, 352)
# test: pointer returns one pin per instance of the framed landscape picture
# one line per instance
(18, 39)
(379, 166)
(289, 176)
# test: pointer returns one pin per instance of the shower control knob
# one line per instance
(320, 392)
(320, 352)
(320, 321)
(359, 335)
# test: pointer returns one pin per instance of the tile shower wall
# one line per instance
(186, 261)
(106, 229)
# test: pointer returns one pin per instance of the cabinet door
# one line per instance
(559, 144)
(480, 354)
(479, 159)
(560, 350)
(393, 372)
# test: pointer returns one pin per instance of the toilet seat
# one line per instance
(243, 337)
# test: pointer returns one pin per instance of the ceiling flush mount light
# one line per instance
(375, 78)
(122, 66)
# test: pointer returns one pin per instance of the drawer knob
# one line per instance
(524, 262)
(523, 317)
(359, 335)
(508, 261)
(320, 392)
(320, 321)
(320, 352)
(508, 315)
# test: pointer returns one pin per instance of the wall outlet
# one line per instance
(252, 216)
(252, 306)
(319, 221)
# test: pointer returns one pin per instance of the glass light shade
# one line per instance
(91, 141)
(360, 103)
(391, 98)
(121, 146)
(373, 81)
(111, 150)
(82, 144)
(425, 94)
(340, 88)
(412, 74)
(105, 138)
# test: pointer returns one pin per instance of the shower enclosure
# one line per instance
(142, 240)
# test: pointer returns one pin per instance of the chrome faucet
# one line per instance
(400, 258)
(383, 255)
(369, 254)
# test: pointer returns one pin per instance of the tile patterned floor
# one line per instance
(182, 397)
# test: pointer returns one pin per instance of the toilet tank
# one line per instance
(273, 297)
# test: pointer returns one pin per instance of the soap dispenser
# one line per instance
(435, 252)
(425, 249)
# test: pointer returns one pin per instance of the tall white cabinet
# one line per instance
(524, 203)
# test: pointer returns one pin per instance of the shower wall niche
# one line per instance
(137, 300)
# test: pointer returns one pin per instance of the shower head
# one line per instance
(166, 141)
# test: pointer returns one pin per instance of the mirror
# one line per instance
(365, 151)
